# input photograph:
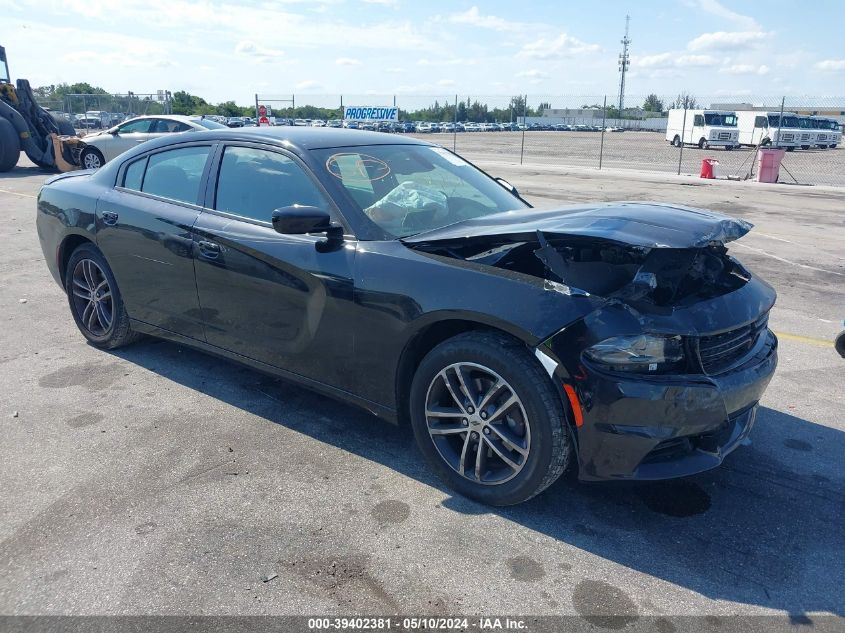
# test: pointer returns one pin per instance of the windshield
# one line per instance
(726, 120)
(209, 124)
(834, 125)
(407, 189)
(824, 125)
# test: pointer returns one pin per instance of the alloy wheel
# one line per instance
(477, 423)
(91, 161)
(92, 297)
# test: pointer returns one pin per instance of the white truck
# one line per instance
(704, 128)
(829, 132)
(810, 133)
(766, 128)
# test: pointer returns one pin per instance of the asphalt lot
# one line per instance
(636, 150)
(159, 480)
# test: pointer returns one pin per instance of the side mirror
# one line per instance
(508, 186)
(113, 131)
(300, 219)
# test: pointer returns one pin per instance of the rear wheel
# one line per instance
(805, 147)
(95, 301)
(91, 158)
(676, 141)
(488, 420)
(10, 146)
(728, 148)
(702, 143)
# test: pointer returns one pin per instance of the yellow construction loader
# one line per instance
(48, 139)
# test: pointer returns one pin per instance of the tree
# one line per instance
(653, 103)
(685, 101)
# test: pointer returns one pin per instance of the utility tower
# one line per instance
(624, 62)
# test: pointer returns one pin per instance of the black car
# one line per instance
(388, 272)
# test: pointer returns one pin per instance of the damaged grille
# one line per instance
(720, 351)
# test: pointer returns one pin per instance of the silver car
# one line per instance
(105, 146)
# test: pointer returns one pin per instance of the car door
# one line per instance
(270, 297)
(125, 137)
(144, 230)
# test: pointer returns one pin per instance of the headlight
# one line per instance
(641, 353)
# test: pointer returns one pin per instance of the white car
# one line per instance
(105, 146)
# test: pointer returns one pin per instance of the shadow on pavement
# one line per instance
(765, 529)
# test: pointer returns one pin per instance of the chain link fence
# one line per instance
(590, 131)
(96, 110)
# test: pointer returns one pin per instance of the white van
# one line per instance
(705, 128)
(766, 128)
(829, 132)
(810, 135)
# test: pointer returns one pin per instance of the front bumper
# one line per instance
(659, 427)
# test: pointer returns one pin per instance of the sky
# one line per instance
(366, 49)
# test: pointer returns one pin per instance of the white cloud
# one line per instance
(563, 45)
(446, 82)
(831, 65)
(745, 69)
(310, 85)
(347, 61)
(673, 60)
(532, 74)
(248, 48)
(474, 17)
(727, 40)
(713, 7)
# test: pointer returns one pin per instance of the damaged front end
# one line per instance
(664, 377)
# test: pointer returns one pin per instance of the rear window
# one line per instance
(135, 174)
(176, 174)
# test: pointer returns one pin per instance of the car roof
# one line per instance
(304, 138)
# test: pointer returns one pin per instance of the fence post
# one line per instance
(342, 118)
(780, 121)
(455, 131)
(256, 106)
(524, 125)
(603, 121)
(683, 131)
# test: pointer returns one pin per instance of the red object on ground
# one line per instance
(707, 167)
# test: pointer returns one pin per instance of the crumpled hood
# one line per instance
(645, 224)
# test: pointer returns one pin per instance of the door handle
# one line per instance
(209, 250)
(110, 218)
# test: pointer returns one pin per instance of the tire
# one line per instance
(790, 149)
(91, 158)
(106, 325)
(676, 141)
(534, 422)
(65, 127)
(765, 142)
(10, 145)
(729, 148)
(831, 146)
(805, 147)
(839, 344)
(702, 144)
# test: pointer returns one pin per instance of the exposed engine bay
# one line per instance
(658, 276)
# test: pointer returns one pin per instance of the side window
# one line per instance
(134, 175)
(142, 126)
(761, 121)
(167, 126)
(699, 120)
(176, 173)
(254, 182)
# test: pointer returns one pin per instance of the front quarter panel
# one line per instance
(399, 292)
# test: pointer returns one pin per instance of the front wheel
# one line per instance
(91, 158)
(488, 419)
(676, 141)
(703, 144)
(95, 300)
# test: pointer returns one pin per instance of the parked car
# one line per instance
(335, 123)
(235, 121)
(105, 146)
(424, 127)
(88, 122)
(620, 339)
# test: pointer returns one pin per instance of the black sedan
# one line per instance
(621, 339)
